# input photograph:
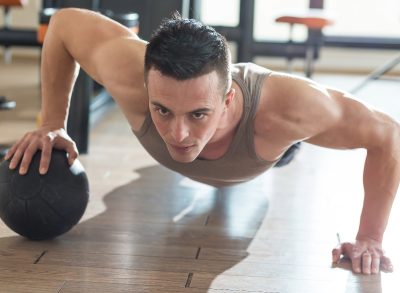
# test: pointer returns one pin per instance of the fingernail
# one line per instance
(22, 170)
(11, 166)
(42, 170)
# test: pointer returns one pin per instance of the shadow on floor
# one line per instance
(161, 222)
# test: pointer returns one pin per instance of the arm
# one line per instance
(380, 136)
(343, 123)
(92, 41)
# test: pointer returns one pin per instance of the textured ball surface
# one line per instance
(43, 206)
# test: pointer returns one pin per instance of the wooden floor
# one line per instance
(149, 230)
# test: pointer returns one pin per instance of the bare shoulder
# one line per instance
(298, 109)
(292, 109)
(110, 53)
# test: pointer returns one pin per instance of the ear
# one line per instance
(229, 97)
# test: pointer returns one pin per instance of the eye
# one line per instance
(198, 115)
(162, 111)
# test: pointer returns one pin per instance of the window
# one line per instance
(220, 12)
(265, 28)
(367, 18)
(362, 18)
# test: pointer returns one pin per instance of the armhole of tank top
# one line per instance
(145, 126)
(250, 134)
(242, 125)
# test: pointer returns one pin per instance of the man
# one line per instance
(213, 122)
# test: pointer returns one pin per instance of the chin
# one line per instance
(182, 159)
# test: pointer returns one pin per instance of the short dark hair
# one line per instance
(186, 48)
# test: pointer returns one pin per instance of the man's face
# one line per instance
(186, 113)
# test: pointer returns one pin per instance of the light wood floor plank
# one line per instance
(289, 285)
(42, 273)
(22, 285)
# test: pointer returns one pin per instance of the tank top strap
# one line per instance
(250, 78)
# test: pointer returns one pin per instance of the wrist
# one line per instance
(51, 124)
(366, 236)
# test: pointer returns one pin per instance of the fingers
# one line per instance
(72, 152)
(375, 264)
(27, 158)
(18, 152)
(22, 152)
(366, 262)
(336, 253)
(356, 264)
(386, 264)
(10, 152)
(45, 158)
(362, 261)
(370, 263)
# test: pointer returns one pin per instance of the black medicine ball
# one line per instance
(43, 206)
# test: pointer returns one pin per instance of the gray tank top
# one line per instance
(240, 163)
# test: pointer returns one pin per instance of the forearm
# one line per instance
(381, 180)
(58, 74)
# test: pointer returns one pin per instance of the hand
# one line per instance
(45, 138)
(366, 256)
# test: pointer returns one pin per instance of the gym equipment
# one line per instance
(378, 74)
(5, 104)
(8, 37)
(42, 207)
(314, 20)
(11, 36)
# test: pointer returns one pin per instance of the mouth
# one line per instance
(181, 149)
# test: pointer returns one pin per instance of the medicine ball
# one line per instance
(43, 206)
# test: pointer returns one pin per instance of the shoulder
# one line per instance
(122, 74)
(295, 108)
(110, 53)
(245, 69)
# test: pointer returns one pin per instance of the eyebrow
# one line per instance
(203, 110)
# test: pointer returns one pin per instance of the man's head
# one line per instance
(185, 49)
(187, 75)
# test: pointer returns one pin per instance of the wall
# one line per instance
(332, 59)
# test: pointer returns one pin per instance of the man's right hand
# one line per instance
(45, 139)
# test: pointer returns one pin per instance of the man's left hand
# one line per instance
(366, 256)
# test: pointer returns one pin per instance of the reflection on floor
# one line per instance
(149, 230)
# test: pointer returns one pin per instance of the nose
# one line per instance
(179, 129)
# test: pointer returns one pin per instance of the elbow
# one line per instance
(383, 135)
(59, 20)
(63, 15)
(395, 137)
(389, 140)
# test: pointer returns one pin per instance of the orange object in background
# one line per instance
(13, 2)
